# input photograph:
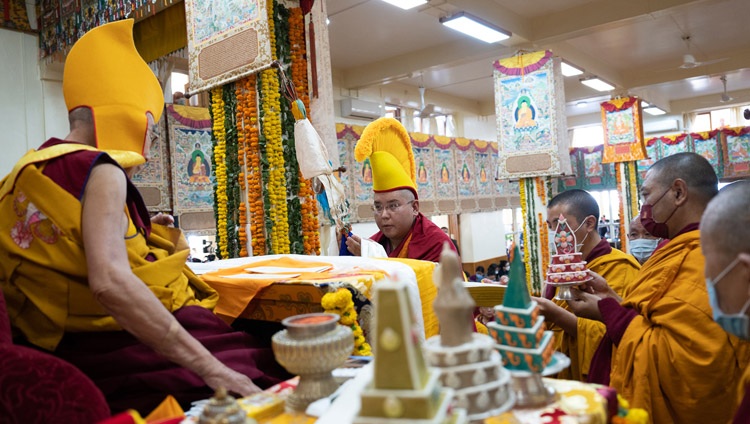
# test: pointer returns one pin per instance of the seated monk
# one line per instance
(641, 244)
(85, 273)
(663, 351)
(726, 249)
(576, 337)
(404, 231)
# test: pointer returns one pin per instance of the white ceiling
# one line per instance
(636, 45)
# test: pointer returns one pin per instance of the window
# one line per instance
(715, 119)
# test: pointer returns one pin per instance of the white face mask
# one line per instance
(580, 244)
(642, 248)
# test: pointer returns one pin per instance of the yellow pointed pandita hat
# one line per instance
(388, 145)
(105, 73)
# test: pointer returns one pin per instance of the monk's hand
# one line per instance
(354, 245)
(231, 380)
(598, 286)
(548, 308)
(585, 304)
(163, 219)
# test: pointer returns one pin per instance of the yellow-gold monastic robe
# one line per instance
(620, 270)
(43, 272)
(673, 360)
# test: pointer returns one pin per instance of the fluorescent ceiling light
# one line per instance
(597, 84)
(406, 4)
(475, 27)
(645, 104)
(581, 104)
(569, 70)
(653, 110)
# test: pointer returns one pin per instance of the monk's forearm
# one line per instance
(567, 321)
(141, 314)
(616, 317)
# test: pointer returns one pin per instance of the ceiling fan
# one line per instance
(724, 96)
(427, 110)
(689, 61)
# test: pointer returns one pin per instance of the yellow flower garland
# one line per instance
(274, 149)
(524, 211)
(340, 302)
(219, 131)
(309, 206)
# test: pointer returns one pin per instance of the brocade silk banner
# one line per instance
(529, 106)
(623, 130)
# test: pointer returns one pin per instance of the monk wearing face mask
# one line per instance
(727, 252)
(663, 350)
(641, 244)
(578, 338)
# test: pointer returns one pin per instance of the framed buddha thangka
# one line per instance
(191, 147)
(227, 40)
(425, 162)
(529, 108)
(623, 130)
(736, 151)
(445, 166)
(466, 171)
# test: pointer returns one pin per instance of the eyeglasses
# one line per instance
(391, 207)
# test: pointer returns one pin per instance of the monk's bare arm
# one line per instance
(126, 297)
(559, 316)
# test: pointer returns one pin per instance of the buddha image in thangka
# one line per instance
(445, 176)
(422, 173)
(198, 168)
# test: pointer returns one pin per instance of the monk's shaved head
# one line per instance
(726, 221)
(578, 203)
(693, 168)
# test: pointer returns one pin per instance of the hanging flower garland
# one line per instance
(309, 206)
(276, 201)
(220, 170)
(543, 230)
(291, 168)
(247, 114)
(232, 171)
(340, 302)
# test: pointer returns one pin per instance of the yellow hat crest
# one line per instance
(105, 73)
(388, 145)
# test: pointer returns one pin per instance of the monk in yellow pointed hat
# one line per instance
(404, 231)
(86, 273)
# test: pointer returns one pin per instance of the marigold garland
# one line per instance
(619, 174)
(250, 179)
(310, 226)
(340, 302)
(232, 171)
(274, 152)
(220, 170)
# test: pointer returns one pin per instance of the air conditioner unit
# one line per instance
(360, 109)
(661, 126)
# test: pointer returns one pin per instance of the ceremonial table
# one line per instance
(291, 290)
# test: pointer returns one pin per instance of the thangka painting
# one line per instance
(446, 177)
(425, 163)
(466, 173)
(529, 108)
(191, 147)
(708, 146)
(153, 178)
(623, 130)
(484, 178)
(736, 157)
(652, 155)
(672, 144)
(590, 172)
(227, 40)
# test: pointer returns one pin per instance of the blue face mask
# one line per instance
(737, 324)
(642, 248)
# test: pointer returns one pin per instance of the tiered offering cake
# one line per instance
(466, 360)
(403, 390)
(519, 329)
(567, 267)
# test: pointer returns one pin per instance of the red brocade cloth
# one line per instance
(132, 375)
(425, 243)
